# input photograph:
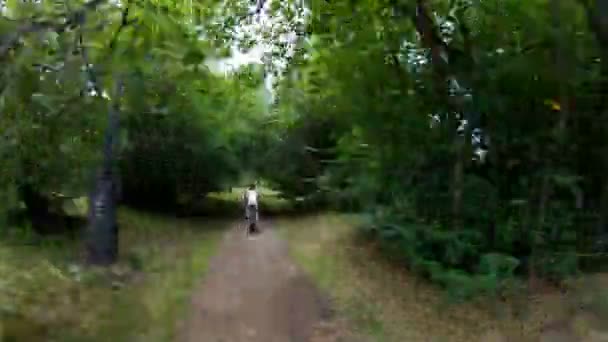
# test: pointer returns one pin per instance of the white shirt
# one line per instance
(252, 197)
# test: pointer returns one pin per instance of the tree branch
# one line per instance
(123, 24)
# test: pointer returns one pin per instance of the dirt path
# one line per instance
(254, 292)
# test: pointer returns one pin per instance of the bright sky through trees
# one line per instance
(269, 31)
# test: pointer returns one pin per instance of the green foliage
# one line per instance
(529, 84)
(184, 129)
(367, 115)
(302, 153)
(45, 296)
(184, 152)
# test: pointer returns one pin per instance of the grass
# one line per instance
(45, 296)
(317, 244)
(385, 303)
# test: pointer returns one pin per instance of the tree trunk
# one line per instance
(440, 62)
(36, 204)
(458, 180)
(559, 135)
(102, 232)
(597, 15)
(602, 225)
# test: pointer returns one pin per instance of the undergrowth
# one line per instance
(47, 295)
(385, 302)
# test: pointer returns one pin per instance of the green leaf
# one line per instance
(193, 57)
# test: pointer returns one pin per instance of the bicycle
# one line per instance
(252, 222)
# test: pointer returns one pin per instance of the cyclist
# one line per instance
(250, 198)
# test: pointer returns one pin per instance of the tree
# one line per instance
(460, 127)
(63, 59)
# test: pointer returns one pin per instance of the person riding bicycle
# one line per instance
(250, 197)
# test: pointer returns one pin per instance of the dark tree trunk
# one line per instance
(597, 16)
(102, 232)
(36, 204)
